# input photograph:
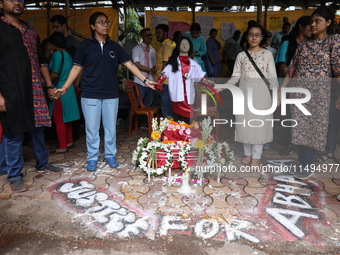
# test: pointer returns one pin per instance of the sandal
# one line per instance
(91, 165)
(325, 157)
(255, 162)
(70, 145)
(60, 150)
(246, 160)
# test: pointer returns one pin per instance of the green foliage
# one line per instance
(132, 26)
(131, 29)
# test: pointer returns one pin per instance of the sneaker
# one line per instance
(303, 175)
(112, 162)
(18, 185)
(51, 168)
(91, 165)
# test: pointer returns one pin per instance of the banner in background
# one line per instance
(218, 21)
(79, 20)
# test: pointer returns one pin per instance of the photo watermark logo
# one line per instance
(238, 102)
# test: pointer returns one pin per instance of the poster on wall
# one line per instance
(177, 26)
(276, 22)
(207, 23)
(228, 29)
(156, 19)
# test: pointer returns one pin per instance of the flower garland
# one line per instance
(184, 150)
(148, 159)
(215, 152)
(142, 142)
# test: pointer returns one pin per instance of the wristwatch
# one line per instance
(51, 86)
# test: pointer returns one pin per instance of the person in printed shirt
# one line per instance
(22, 100)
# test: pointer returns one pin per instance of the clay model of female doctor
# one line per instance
(182, 72)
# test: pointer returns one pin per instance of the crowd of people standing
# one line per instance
(309, 54)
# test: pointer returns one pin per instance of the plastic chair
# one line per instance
(138, 107)
(211, 107)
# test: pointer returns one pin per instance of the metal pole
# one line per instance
(68, 22)
(48, 18)
(265, 16)
(259, 11)
(193, 7)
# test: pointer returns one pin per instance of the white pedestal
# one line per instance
(185, 189)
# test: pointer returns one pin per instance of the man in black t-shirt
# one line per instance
(59, 24)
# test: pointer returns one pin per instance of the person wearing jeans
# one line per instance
(98, 58)
(3, 165)
(93, 110)
(166, 102)
(144, 57)
(162, 58)
(23, 105)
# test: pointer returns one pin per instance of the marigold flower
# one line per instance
(155, 135)
(199, 144)
(193, 124)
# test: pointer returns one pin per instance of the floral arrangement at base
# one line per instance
(178, 145)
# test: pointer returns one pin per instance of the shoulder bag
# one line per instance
(259, 71)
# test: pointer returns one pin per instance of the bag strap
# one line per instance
(258, 70)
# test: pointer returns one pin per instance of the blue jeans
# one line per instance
(166, 102)
(37, 140)
(333, 128)
(14, 156)
(147, 94)
(3, 165)
(306, 155)
(93, 110)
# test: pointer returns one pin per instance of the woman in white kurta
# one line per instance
(254, 130)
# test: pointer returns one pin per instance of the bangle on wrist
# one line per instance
(65, 88)
(51, 86)
(145, 80)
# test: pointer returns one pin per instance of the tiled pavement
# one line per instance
(251, 207)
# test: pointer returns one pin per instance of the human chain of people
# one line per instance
(81, 82)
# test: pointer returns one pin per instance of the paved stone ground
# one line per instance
(80, 212)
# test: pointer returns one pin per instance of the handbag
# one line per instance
(259, 71)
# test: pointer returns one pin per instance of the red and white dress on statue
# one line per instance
(181, 84)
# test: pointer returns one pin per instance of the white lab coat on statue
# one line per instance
(176, 86)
